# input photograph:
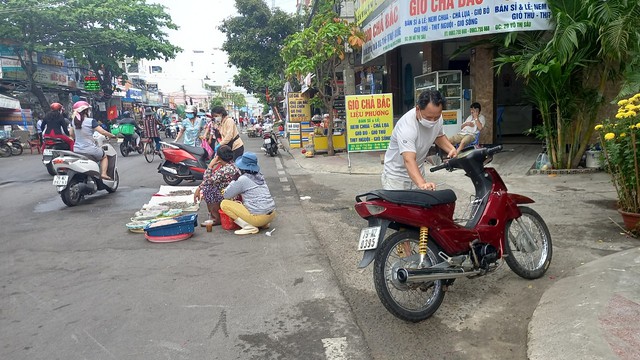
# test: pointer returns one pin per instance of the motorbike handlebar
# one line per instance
(439, 167)
(494, 150)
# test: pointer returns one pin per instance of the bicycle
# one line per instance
(149, 149)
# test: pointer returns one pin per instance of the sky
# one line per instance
(198, 23)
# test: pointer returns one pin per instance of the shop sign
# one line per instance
(299, 108)
(365, 8)
(418, 21)
(369, 122)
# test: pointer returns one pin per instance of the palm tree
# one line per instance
(569, 70)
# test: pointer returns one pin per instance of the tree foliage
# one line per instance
(253, 42)
(98, 32)
(593, 49)
(320, 49)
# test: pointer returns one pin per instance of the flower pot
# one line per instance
(631, 220)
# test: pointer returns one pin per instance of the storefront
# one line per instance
(410, 46)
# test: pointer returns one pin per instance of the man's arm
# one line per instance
(443, 143)
(413, 170)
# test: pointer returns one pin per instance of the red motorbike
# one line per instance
(182, 162)
(430, 249)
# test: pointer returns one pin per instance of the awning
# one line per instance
(7, 102)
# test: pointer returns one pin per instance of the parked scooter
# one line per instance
(50, 144)
(16, 146)
(5, 148)
(182, 162)
(270, 143)
(78, 176)
(170, 131)
(430, 249)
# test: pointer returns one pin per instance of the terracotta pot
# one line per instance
(631, 220)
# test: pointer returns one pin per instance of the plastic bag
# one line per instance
(207, 147)
(542, 160)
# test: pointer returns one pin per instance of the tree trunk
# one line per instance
(30, 70)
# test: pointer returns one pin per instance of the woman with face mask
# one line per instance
(228, 131)
(191, 127)
(412, 137)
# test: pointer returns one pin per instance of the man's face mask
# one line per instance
(190, 116)
(218, 118)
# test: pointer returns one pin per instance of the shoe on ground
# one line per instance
(247, 230)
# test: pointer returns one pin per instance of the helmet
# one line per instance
(126, 114)
(81, 106)
(190, 109)
(55, 106)
(148, 111)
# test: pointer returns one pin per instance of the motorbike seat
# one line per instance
(422, 198)
(71, 153)
(200, 152)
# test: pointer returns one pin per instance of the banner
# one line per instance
(299, 108)
(369, 122)
(416, 21)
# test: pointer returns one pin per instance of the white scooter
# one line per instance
(78, 176)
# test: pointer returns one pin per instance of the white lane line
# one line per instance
(283, 179)
(279, 164)
(313, 271)
(282, 173)
(286, 188)
(334, 348)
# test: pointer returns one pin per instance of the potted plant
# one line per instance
(620, 139)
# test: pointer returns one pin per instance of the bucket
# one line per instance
(226, 222)
(593, 159)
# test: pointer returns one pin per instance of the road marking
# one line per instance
(279, 164)
(283, 179)
(313, 271)
(334, 348)
(282, 173)
(286, 188)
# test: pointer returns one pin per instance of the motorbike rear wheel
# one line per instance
(533, 264)
(171, 180)
(50, 169)
(71, 194)
(5, 150)
(16, 149)
(407, 302)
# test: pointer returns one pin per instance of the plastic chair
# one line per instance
(34, 143)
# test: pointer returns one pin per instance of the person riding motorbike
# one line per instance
(55, 126)
(85, 145)
(128, 119)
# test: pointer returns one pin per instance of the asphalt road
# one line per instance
(77, 285)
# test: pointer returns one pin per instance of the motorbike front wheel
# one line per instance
(526, 259)
(414, 302)
(116, 182)
(124, 149)
(71, 194)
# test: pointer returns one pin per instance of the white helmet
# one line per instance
(190, 109)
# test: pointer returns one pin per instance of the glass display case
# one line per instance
(449, 83)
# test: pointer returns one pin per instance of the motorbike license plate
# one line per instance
(47, 152)
(60, 180)
(369, 238)
(267, 141)
(120, 140)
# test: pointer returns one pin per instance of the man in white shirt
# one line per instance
(470, 128)
(412, 137)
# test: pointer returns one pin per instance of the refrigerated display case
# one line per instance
(449, 83)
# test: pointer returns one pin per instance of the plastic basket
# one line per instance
(226, 222)
(185, 224)
(127, 129)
